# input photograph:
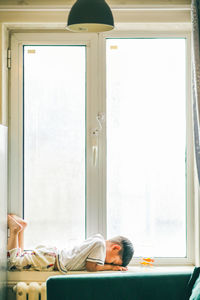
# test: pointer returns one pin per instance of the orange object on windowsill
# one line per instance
(147, 262)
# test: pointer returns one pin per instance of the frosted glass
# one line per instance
(54, 144)
(146, 144)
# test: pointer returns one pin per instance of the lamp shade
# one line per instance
(90, 16)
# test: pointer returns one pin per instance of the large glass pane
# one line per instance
(146, 144)
(54, 144)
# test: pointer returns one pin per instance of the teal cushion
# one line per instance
(195, 275)
(196, 290)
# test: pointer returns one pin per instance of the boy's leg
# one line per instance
(23, 224)
(15, 229)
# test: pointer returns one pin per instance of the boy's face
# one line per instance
(112, 255)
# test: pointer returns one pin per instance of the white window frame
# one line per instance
(15, 201)
(96, 102)
(190, 242)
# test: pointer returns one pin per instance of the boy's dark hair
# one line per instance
(127, 250)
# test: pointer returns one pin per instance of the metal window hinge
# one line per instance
(9, 59)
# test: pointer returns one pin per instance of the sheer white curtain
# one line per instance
(196, 78)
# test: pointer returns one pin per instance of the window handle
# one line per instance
(94, 150)
(95, 138)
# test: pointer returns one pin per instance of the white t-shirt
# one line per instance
(93, 249)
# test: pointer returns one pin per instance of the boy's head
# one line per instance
(119, 251)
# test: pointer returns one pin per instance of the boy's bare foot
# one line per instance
(19, 221)
(14, 226)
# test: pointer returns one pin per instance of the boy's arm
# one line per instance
(92, 267)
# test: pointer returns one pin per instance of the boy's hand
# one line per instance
(119, 268)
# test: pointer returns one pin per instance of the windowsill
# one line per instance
(28, 276)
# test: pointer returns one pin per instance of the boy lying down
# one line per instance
(94, 254)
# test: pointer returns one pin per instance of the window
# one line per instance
(54, 118)
(146, 140)
(134, 175)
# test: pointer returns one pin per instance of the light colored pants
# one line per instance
(42, 258)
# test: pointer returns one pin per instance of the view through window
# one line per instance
(146, 144)
(54, 144)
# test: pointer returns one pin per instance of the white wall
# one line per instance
(3, 210)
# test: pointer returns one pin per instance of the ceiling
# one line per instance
(66, 3)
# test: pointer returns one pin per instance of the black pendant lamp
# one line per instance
(90, 16)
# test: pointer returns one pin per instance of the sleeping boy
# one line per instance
(94, 254)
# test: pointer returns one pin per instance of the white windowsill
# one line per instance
(28, 276)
